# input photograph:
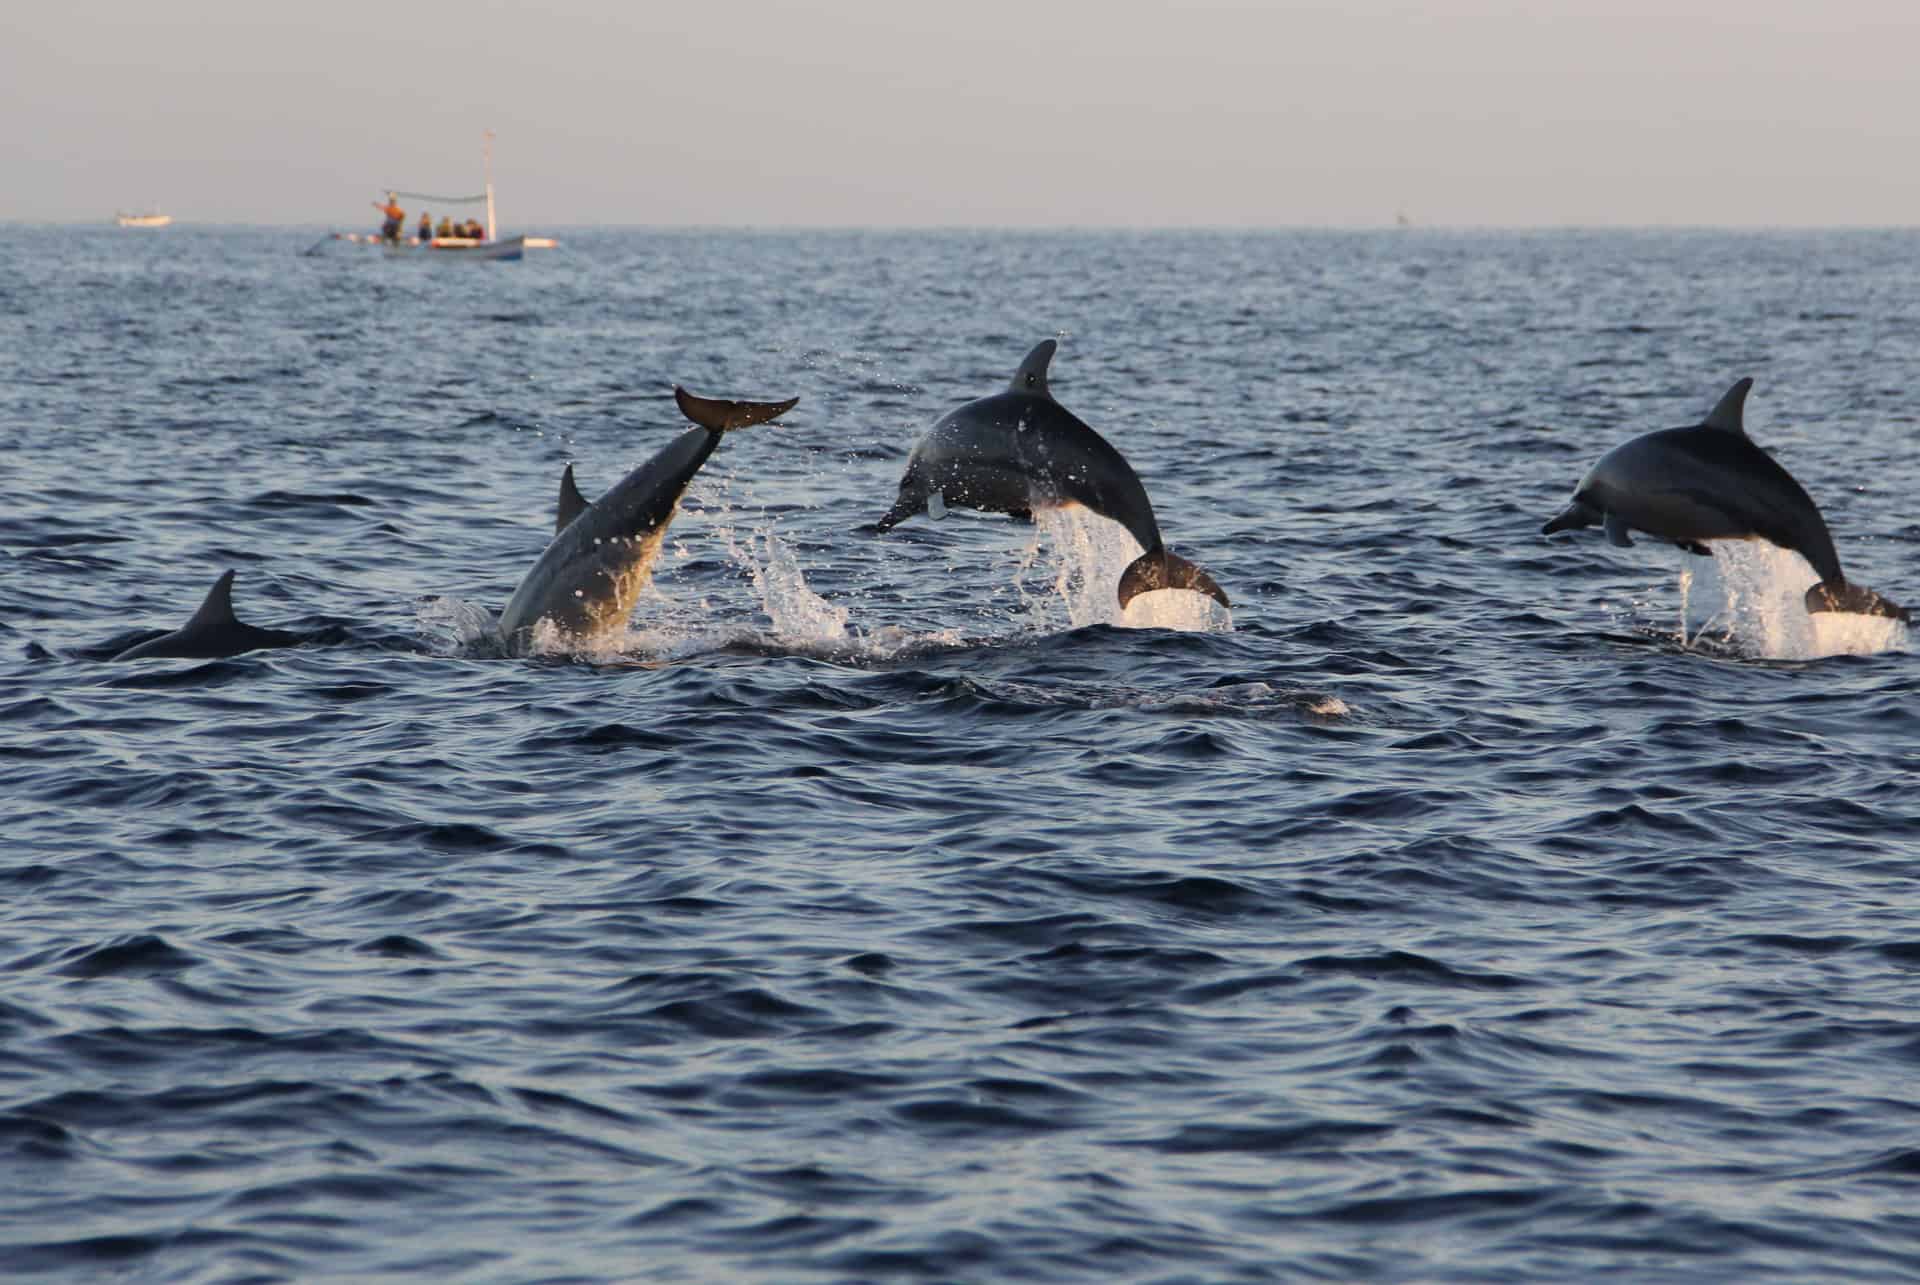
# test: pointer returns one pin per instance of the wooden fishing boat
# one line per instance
(491, 247)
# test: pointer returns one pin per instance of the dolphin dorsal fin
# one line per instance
(1729, 416)
(571, 502)
(217, 610)
(1032, 375)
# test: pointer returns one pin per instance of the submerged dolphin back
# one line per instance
(212, 632)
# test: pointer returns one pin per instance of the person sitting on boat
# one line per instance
(446, 226)
(474, 230)
(426, 227)
(390, 230)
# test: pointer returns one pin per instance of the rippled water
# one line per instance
(888, 907)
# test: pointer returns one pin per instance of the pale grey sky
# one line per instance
(907, 113)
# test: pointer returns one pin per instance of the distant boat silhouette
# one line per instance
(150, 219)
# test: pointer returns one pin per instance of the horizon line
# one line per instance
(107, 221)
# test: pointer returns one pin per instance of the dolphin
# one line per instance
(602, 553)
(1021, 450)
(213, 632)
(1712, 482)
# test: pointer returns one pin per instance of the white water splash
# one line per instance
(1750, 598)
(1089, 553)
(804, 622)
(454, 626)
(798, 614)
(1081, 555)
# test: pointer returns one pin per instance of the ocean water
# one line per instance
(1461, 905)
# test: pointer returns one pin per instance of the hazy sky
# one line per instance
(906, 113)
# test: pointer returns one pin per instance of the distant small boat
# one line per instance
(143, 220)
(490, 246)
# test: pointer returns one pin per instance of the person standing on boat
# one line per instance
(396, 218)
(426, 227)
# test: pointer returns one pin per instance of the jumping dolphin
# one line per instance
(213, 632)
(602, 553)
(1021, 450)
(1711, 482)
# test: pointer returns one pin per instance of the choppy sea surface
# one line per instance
(1463, 905)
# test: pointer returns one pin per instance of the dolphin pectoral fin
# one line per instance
(1159, 569)
(1694, 547)
(571, 502)
(1617, 532)
(1855, 599)
(719, 416)
(1575, 516)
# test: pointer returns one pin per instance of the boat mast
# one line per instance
(488, 147)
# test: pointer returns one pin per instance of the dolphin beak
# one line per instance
(1572, 518)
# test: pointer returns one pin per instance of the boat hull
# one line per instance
(505, 249)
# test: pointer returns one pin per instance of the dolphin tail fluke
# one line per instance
(1855, 599)
(719, 416)
(1159, 569)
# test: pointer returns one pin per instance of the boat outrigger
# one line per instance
(489, 245)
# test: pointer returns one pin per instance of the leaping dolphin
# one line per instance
(602, 553)
(1712, 482)
(1021, 450)
(212, 632)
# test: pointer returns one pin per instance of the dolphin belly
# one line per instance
(990, 486)
(1681, 517)
(586, 587)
